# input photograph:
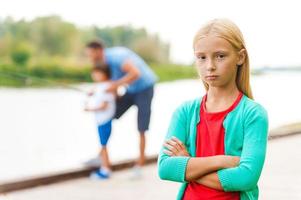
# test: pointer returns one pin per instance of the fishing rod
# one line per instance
(25, 77)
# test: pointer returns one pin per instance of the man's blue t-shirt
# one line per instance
(115, 58)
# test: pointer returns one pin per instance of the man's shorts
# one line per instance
(104, 132)
(142, 100)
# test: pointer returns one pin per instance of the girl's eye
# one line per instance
(220, 56)
(200, 57)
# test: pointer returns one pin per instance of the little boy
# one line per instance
(102, 103)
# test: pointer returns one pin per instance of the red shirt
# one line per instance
(210, 142)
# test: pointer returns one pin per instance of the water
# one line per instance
(46, 130)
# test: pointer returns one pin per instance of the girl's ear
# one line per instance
(241, 57)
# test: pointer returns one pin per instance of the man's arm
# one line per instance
(131, 74)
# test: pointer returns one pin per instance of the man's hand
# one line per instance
(113, 88)
(175, 147)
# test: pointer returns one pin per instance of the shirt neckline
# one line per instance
(235, 103)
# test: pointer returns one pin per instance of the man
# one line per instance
(129, 70)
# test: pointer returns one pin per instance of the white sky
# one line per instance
(272, 28)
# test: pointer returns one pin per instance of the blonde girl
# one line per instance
(216, 145)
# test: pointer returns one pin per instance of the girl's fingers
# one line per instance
(177, 140)
(170, 147)
(173, 144)
(174, 147)
(168, 152)
(179, 143)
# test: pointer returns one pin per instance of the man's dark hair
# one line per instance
(96, 44)
(103, 68)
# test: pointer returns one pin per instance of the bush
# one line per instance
(20, 55)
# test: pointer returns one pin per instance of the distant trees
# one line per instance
(150, 47)
(52, 38)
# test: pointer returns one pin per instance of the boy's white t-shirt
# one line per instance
(101, 95)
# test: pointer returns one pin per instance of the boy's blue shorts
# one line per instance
(104, 132)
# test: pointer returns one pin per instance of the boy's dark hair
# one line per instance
(103, 68)
(96, 44)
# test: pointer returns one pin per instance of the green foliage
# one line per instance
(64, 74)
(47, 36)
(20, 54)
(50, 48)
(51, 36)
(148, 46)
(52, 74)
(171, 72)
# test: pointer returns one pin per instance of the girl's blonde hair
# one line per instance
(227, 30)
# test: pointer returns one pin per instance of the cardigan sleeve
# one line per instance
(174, 168)
(245, 176)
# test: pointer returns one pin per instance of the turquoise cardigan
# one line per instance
(246, 129)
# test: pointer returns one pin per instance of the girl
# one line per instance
(216, 145)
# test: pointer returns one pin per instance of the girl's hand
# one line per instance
(231, 161)
(175, 147)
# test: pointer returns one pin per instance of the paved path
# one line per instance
(121, 186)
(281, 179)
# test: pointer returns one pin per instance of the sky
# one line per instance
(271, 28)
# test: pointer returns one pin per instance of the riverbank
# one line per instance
(62, 76)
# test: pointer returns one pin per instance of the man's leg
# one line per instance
(143, 101)
(123, 103)
(141, 159)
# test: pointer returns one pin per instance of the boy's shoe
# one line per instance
(100, 175)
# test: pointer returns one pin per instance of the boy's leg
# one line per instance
(104, 132)
(143, 101)
(105, 158)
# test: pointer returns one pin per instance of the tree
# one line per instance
(53, 36)
(20, 54)
(148, 46)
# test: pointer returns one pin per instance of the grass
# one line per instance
(51, 75)
(171, 72)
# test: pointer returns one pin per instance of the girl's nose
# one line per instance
(210, 65)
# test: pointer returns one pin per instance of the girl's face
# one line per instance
(217, 61)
